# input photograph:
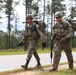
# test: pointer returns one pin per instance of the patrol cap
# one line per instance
(58, 14)
(29, 16)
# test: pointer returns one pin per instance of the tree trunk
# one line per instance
(9, 32)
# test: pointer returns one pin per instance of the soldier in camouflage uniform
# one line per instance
(32, 35)
(62, 35)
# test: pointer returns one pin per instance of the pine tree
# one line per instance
(57, 6)
(9, 11)
(73, 9)
(1, 7)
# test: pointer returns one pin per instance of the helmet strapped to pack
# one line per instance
(42, 25)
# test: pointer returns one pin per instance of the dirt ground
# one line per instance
(41, 70)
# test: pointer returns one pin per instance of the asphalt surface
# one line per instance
(11, 62)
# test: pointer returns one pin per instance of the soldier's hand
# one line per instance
(63, 40)
(20, 44)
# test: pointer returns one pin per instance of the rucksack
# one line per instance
(72, 22)
(73, 25)
(41, 24)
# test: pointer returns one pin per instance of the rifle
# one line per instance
(19, 44)
(51, 54)
(52, 45)
(22, 43)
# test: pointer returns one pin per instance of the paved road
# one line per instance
(10, 62)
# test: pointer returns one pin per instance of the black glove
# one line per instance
(63, 40)
(20, 44)
(44, 45)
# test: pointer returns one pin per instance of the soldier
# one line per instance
(61, 35)
(33, 33)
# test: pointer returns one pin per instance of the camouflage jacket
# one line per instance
(33, 32)
(62, 30)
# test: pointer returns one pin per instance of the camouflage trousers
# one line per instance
(58, 47)
(32, 50)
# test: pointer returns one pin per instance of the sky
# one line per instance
(21, 12)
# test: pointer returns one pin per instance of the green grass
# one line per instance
(21, 51)
(61, 72)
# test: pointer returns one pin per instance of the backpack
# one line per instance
(41, 24)
(72, 22)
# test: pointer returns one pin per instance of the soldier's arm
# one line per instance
(40, 33)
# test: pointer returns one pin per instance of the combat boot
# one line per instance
(26, 65)
(71, 66)
(38, 64)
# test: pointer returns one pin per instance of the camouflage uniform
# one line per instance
(61, 31)
(32, 34)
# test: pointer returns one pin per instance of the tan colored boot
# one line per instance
(25, 66)
(38, 64)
